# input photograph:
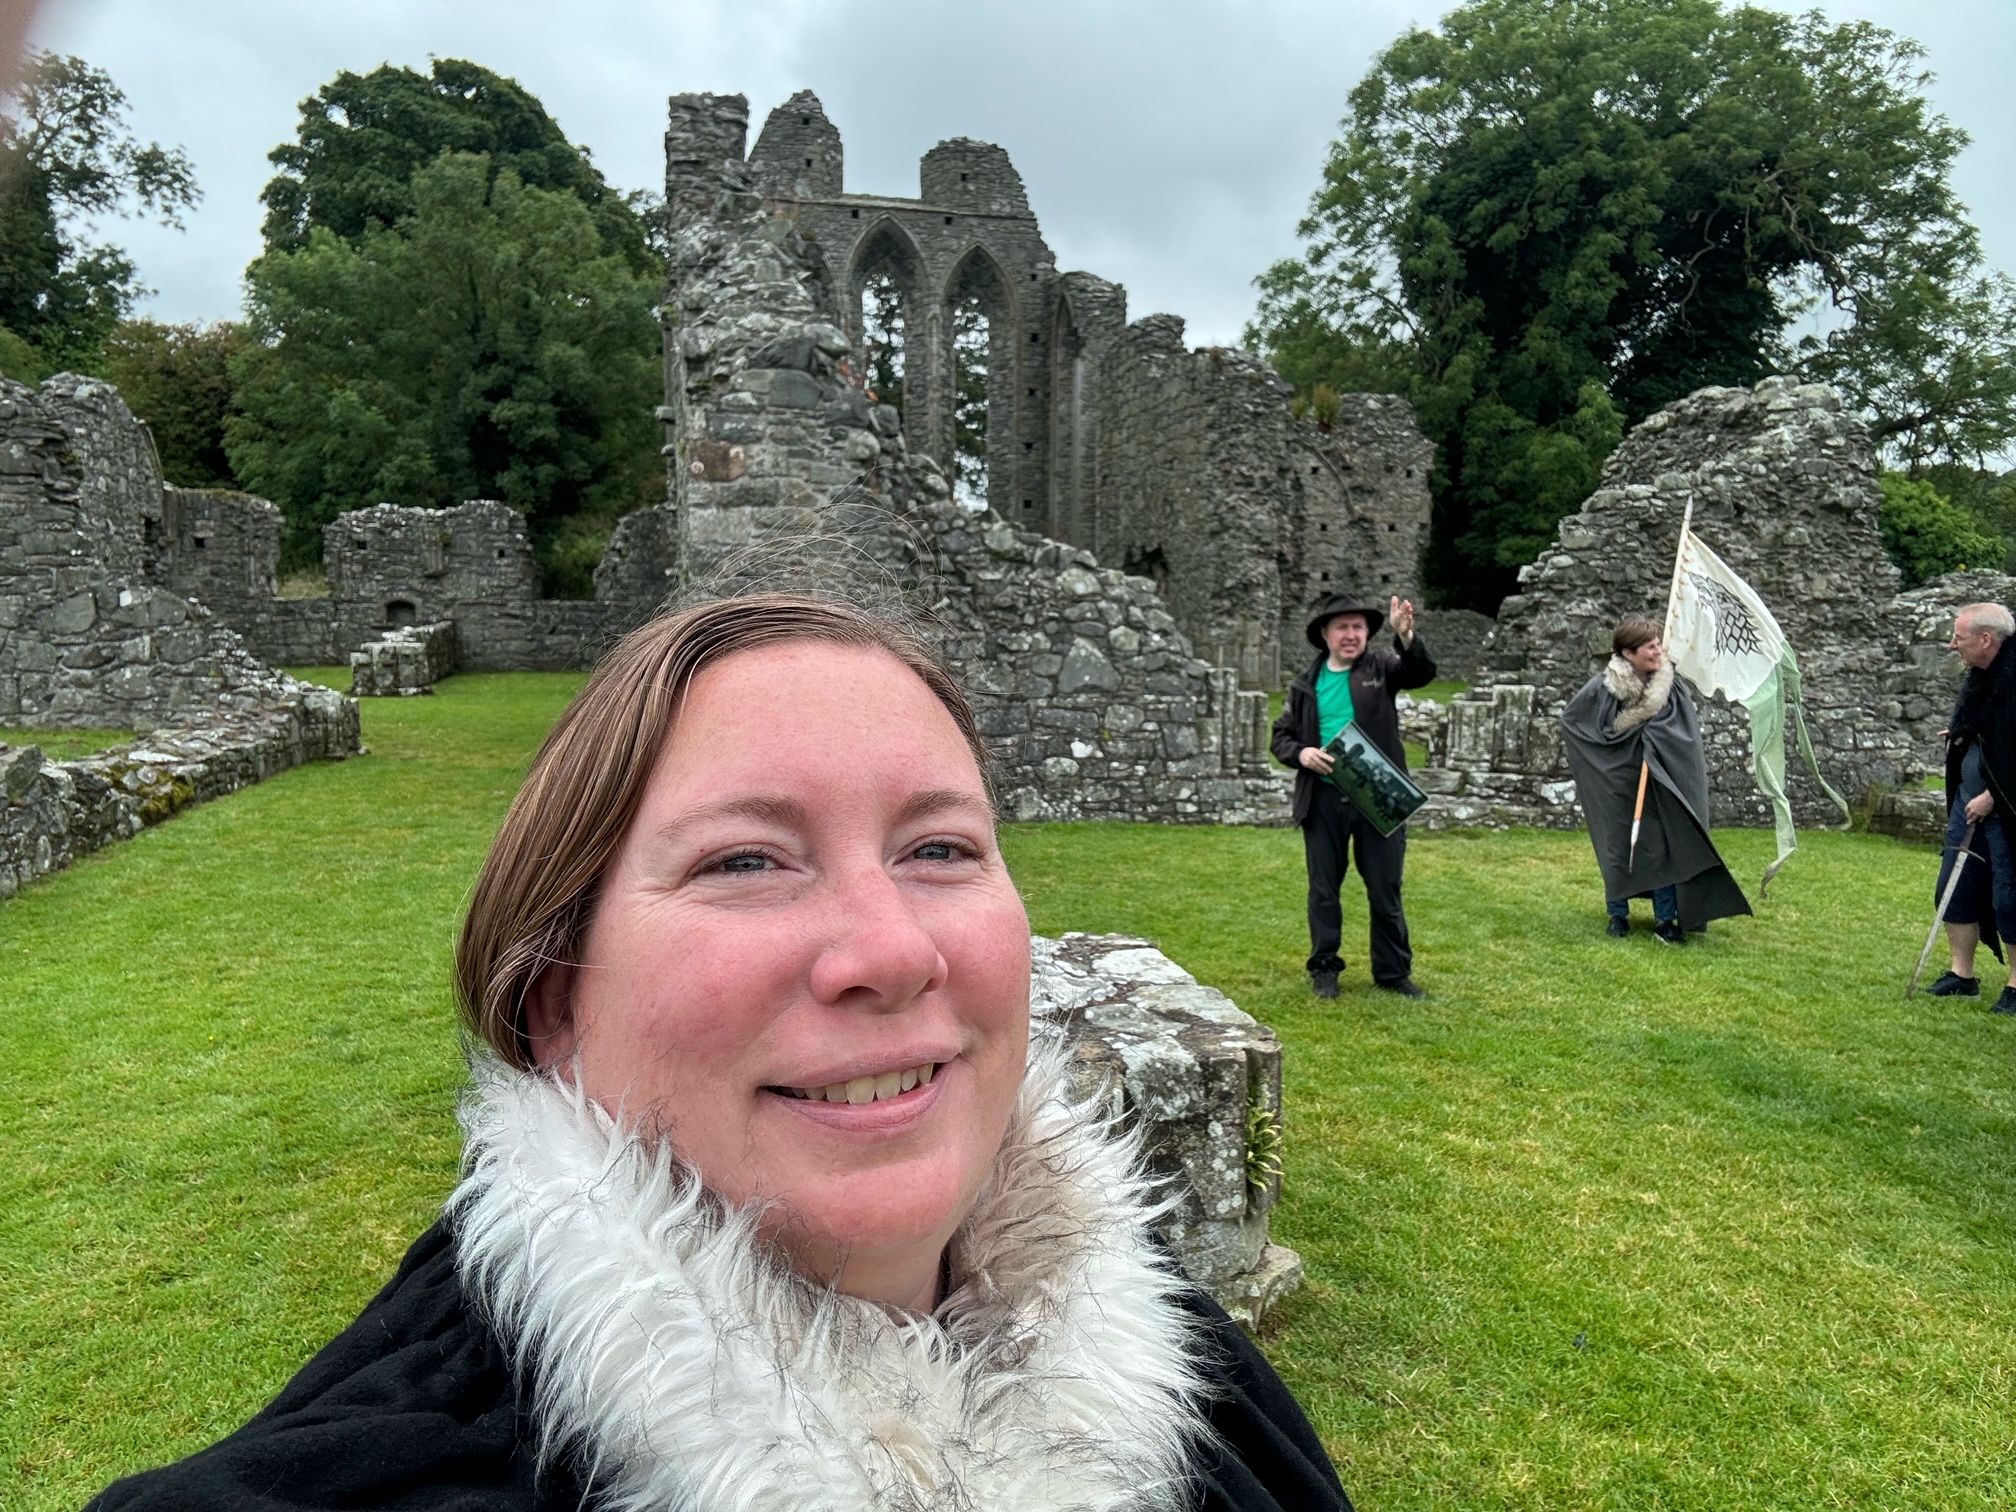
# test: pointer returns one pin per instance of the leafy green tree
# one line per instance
(1926, 533)
(486, 345)
(1546, 218)
(66, 157)
(363, 137)
(178, 379)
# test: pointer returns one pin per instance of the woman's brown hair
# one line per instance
(1633, 633)
(535, 895)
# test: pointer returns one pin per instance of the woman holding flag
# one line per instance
(1633, 742)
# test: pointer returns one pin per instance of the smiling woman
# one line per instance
(766, 1202)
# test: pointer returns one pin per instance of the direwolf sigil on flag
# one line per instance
(1722, 639)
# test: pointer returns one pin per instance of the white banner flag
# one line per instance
(1719, 635)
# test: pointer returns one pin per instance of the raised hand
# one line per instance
(1400, 614)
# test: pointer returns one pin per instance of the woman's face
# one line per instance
(807, 964)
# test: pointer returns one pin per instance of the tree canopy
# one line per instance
(362, 137)
(485, 346)
(66, 156)
(178, 379)
(453, 304)
(1547, 218)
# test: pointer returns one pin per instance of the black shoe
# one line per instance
(1618, 928)
(1954, 985)
(2005, 1003)
(1406, 988)
(1323, 983)
(1669, 932)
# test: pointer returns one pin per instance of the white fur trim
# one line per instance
(687, 1368)
(1642, 697)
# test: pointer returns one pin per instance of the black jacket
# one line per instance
(414, 1406)
(1375, 678)
(1985, 715)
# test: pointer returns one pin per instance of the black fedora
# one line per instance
(1343, 603)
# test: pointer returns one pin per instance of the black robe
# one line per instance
(414, 1406)
(1674, 849)
(1984, 715)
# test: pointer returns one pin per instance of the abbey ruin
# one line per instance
(1184, 467)
(1114, 539)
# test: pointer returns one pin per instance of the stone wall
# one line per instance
(1783, 481)
(1202, 1081)
(405, 662)
(221, 549)
(51, 813)
(86, 637)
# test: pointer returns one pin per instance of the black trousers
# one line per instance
(1333, 826)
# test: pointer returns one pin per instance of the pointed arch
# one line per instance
(981, 362)
(889, 321)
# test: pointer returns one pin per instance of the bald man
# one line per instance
(1981, 790)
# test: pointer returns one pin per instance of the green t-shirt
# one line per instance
(1333, 703)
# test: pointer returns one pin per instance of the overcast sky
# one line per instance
(1170, 146)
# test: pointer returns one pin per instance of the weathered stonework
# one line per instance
(1201, 1079)
(1783, 481)
(405, 662)
(53, 812)
(1183, 467)
(90, 637)
(786, 475)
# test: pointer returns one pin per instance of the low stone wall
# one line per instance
(53, 812)
(405, 662)
(1203, 1080)
(1915, 814)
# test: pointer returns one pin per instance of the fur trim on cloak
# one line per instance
(1642, 697)
(684, 1366)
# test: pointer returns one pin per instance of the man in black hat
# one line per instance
(1350, 681)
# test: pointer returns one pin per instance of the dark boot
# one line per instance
(1618, 928)
(1952, 985)
(2005, 1003)
(1323, 983)
(1669, 932)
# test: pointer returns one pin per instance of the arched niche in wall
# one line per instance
(979, 358)
(891, 325)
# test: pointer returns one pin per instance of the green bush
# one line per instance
(1926, 533)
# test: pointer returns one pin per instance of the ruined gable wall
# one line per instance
(1088, 692)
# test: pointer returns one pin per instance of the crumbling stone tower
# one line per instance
(1183, 467)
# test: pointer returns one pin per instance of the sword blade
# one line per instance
(1960, 861)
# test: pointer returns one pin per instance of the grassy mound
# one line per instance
(1602, 1224)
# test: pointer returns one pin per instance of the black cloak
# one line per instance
(1674, 849)
(1984, 715)
(415, 1408)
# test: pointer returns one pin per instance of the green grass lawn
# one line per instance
(1602, 1224)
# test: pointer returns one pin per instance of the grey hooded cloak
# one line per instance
(1617, 721)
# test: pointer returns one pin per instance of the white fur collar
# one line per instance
(1642, 697)
(688, 1369)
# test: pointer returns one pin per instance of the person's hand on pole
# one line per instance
(1980, 806)
(1317, 760)
(1401, 612)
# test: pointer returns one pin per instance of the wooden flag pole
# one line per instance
(1672, 593)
